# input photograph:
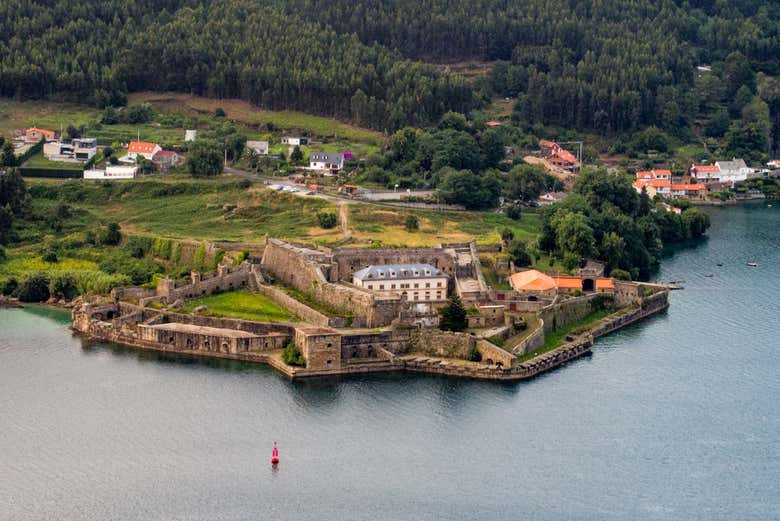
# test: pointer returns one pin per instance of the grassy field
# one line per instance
(251, 116)
(241, 304)
(557, 338)
(386, 225)
(177, 112)
(21, 261)
(40, 161)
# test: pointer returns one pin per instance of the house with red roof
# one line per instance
(558, 156)
(33, 135)
(654, 187)
(688, 191)
(653, 174)
(142, 148)
(166, 159)
(534, 283)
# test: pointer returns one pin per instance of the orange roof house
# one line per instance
(493, 124)
(143, 148)
(532, 280)
(35, 134)
(654, 174)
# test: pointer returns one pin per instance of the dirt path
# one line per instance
(344, 219)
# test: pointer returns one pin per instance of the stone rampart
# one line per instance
(533, 341)
(494, 355)
(566, 311)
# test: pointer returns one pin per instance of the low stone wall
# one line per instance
(494, 355)
(533, 341)
(567, 311)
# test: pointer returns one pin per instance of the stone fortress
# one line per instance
(355, 329)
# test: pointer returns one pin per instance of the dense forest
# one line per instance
(99, 51)
(612, 65)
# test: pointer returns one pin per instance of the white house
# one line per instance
(81, 149)
(326, 161)
(259, 147)
(292, 141)
(142, 148)
(416, 282)
(190, 135)
(112, 172)
(733, 171)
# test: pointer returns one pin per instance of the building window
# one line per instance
(438, 284)
(392, 286)
(416, 285)
(427, 284)
(381, 286)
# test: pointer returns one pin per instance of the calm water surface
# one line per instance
(676, 418)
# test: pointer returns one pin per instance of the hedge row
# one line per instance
(58, 173)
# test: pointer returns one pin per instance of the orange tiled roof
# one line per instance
(141, 147)
(493, 124)
(704, 169)
(546, 143)
(568, 281)
(566, 156)
(605, 283)
(655, 183)
(689, 187)
(652, 174)
(41, 131)
(531, 280)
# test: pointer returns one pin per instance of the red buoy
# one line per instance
(274, 455)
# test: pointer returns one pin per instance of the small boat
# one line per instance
(275, 455)
(752, 264)
(709, 275)
(719, 264)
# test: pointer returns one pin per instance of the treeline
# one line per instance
(99, 51)
(614, 65)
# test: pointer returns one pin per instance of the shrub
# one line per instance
(513, 212)
(474, 355)
(112, 235)
(327, 220)
(9, 286)
(50, 255)
(292, 356)
(63, 285)
(138, 246)
(518, 252)
(411, 223)
(245, 184)
(619, 274)
(3, 255)
(34, 288)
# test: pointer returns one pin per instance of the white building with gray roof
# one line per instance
(417, 282)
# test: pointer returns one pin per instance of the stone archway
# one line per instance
(588, 285)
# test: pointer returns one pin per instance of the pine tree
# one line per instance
(453, 315)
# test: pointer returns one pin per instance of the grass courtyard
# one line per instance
(241, 304)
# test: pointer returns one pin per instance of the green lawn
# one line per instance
(557, 338)
(40, 161)
(241, 304)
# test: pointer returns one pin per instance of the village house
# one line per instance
(331, 161)
(416, 282)
(773, 164)
(688, 191)
(190, 135)
(33, 135)
(662, 187)
(81, 149)
(722, 172)
(143, 149)
(166, 159)
(258, 147)
(558, 156)
(534, 284)
(653, 174)
(293, 141)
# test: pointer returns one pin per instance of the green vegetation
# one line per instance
(605, 218)
(241, 304)
(292, 355)
(557, 338)
(39, 161)
(453, 315)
